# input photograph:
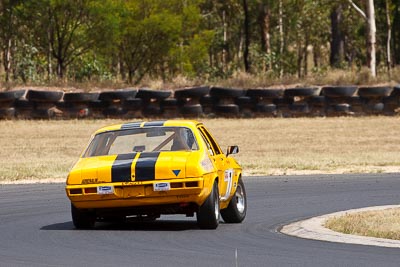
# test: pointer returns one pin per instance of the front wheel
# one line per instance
(82, 219)
(208, 214)
(237, 208)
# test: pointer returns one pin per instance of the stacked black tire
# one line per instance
(392, 102)
(45, 104)
(372, 99)
(225, 101)
(341, 100)
(155, 103)
(263, 102)
(189, 101)
(77, 105)
(302, 101)
(7, 103)
(202, 101)
(116, 103)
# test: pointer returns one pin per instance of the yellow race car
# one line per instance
(141, 170)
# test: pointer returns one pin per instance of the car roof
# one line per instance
(142, 124)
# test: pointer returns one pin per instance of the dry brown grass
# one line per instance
(313, 145)
(47, 149)
(360, 77)
(238, 79)
(382, 224)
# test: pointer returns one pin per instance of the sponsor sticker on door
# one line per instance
(228, 175)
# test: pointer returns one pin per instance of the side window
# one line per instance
(207, 143)
(189, 139)
(213, 144)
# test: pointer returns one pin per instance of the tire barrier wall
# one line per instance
(202, 102)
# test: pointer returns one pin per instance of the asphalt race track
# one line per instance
(36, 229)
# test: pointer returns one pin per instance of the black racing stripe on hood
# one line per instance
(121, 168)
(131, 125)
(154, 123)
(145, 168)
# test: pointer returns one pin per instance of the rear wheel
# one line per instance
(208, 214)
(82, 219)
(237, 208)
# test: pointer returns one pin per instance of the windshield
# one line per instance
(142, 140)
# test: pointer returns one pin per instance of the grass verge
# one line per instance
(381, 224)
(268, 146)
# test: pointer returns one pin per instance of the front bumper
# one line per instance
(136, 194)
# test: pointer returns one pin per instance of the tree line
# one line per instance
(126, 40)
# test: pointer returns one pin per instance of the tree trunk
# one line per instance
(371, 41)
(265, 27)
(317, 56)
(131, 74)
(224, 44)
(49, 53)
(369, 16)
(281, 38)
(50, 40)
(299, 57)
(7, 60)
(396, 34)
(337, 38)
(389, 38)
(246, 37)
(305, 56)
(60, 68)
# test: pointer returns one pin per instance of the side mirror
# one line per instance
(232, 150)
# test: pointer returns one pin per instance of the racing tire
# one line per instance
(191, 110)
(98, 104)
(299, 108)
(193, 92)
(153, 94)
(152, 111)
(284, 101)
(237, 208)
(82, 219)
(6, 104)
(396, 91)
(379, 91)
(265, 93)
(220, 92)
(133, 104)
(169, 103)
(23, 108)
(339, 91)
(44, 96)
(265, 108)
(317, 101)
(114, 111)
(227, 110)
(341, 107)
(80, 97)
(374, 108)
(208, 213)
(8, 113)
(208, 100)
(245, 102)
(292, 92)
(11, 95)
(122, 94)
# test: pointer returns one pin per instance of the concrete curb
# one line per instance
(313, 229)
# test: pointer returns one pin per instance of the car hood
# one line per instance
(145, 166)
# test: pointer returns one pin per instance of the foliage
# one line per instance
(127, 40)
